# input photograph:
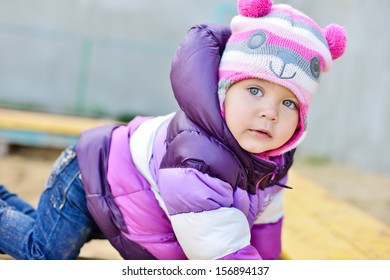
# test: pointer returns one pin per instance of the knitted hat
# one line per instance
(282, 45)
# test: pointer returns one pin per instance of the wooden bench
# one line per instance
(317, 226)
(38, 129)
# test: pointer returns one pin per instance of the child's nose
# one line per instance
(269, 111)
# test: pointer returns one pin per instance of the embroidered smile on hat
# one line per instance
(282, 45)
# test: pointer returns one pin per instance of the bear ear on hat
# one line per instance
(337, 39)
(254, 8)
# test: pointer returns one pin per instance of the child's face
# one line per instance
(261, 115)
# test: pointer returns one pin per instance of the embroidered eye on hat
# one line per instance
(282, 45)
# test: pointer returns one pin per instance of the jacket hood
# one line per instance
(194, 77)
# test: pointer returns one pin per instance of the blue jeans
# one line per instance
(60, 225)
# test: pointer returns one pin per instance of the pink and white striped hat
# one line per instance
(282, 45)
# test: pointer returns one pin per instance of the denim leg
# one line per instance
(13, 200)
(63, 223)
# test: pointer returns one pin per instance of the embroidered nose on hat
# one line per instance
(282, 45)
(286, 59)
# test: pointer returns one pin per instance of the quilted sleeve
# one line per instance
(205, 224)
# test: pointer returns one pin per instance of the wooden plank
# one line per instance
(319, 226)
(48, 123)
(35, 139)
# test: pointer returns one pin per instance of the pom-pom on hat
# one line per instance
(282, 45)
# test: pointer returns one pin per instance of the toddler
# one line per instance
(205, 182)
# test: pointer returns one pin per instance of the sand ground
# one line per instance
(25, 170)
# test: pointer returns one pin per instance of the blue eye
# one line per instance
(290, 104)
(255, 91)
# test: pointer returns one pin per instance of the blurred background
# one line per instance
(111, 59)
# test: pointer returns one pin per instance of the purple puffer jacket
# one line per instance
(197, 195)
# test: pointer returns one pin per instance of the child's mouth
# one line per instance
(262, 133)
